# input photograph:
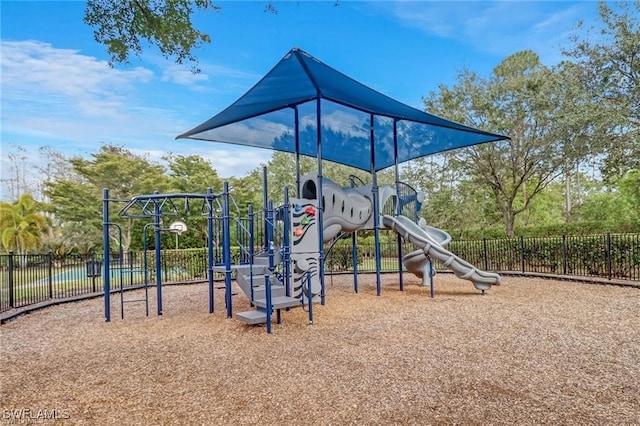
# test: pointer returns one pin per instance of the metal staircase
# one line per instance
(264, 289)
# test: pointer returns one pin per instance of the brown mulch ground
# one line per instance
(531, 351)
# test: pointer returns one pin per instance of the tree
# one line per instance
(454, 201)
(515, 101)
(610, 64)
(576, 131)
(78, 200)
(192, 174)
(614, 210)
(53, 166)
(123, 25)
(546, 210)
(25, 174)
(17, 181)
(22, 224)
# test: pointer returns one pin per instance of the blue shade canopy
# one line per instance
(281, 113)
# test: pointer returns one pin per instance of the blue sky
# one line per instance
(58, 91)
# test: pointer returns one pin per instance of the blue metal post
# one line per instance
(398, 204)
(145, 263)
(320, 201)
(158, 235)
(105, 246)
(210, 257)
(296, 120)
(267, 292)
(265, 206)
(251, 248)
(354, 254)
(226, 247)
(431, 274)
(270, 233)
(286, 244)
(376, 207)
(120, 265)
(309, 297)
(146, 287)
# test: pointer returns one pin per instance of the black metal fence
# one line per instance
(34, 278)
(607, 256)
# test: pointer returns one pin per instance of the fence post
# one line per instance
(564, 254)
(131, 267)
(608, 253)
(50, 273)
(165, 269)
(522, 253)
(11, 290)
(91, 269)
(486, 254)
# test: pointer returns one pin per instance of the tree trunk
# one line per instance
(509, 219)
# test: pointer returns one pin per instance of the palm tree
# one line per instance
(22, 225)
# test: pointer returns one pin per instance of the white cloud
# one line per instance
(183, 75)
(178, 74)
(61, 98)
(227, 160)
(39, 74)
(74, 103)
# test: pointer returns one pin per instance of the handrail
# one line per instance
(355, 180)
(332, 244)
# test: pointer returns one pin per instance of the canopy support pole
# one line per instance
(398, 204)
(320, 202)
(376, 207)
(296, 120)
(265, 205)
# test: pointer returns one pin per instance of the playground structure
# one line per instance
(283, 270)
(305, 107)
(352, 209)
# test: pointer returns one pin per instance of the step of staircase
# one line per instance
(279, 302)
(276, 291)
(257, 268)
(263, 258)
(252, 317)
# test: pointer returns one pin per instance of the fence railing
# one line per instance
(608, 256)
(34, 278)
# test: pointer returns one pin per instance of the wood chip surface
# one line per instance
(530, 351)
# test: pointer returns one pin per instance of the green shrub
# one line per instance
(340, 258)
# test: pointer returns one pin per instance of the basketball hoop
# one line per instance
(178, 227)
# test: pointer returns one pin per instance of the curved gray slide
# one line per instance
(416, 261)
(430, 246)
